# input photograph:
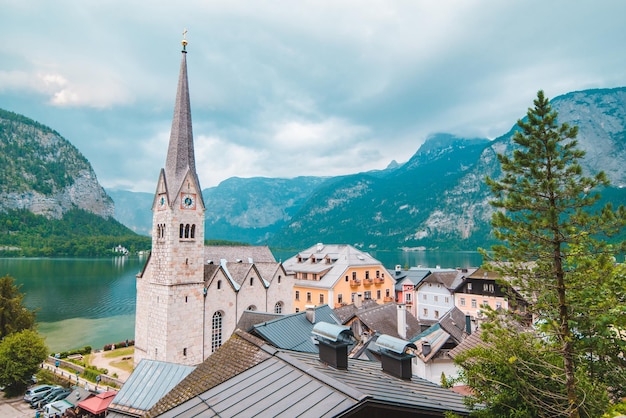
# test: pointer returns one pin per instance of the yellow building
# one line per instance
(335, 274)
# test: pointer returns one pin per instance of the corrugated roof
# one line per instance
(150, 381)
(293, 331)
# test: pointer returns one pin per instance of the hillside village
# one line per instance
(229, 330)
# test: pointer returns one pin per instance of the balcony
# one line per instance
(388, 299)
(355, 282)
(368, 282)
(379, 280)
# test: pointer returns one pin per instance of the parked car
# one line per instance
(54, 395)
(37, 390)
(56, 409)
(39, 396)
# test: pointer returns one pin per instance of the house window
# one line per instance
(297, 295)
(425, 312)
(387, 293)
(216, 331)
(367, 275)
(378, 294)
(278, 308)
(297, 310)
(354, 275)
(340, 298)
(436, 314)
(321, 298)
(462, 301)
(308, 296)
(473, 303)
(314, 276)
(305, 275)
(377, 274)
(367, 294)
(408, 297)
(425, 296)
(346, 278)
(447, 299)
(485, 303)
(469, 286)
(491, 288)
(498, 305)
(353, 296)
(436, 298)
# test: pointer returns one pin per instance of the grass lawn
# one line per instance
(120, 352)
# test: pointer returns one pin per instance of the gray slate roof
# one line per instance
(244, 253)
(148, 383)
(293, 331)
(383, 319)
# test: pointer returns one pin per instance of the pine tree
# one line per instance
(553, 246)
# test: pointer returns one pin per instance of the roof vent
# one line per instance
(394, 357)
(333, 344)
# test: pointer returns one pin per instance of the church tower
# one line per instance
(170, 290)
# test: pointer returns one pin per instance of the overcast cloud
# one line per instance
(294, 88)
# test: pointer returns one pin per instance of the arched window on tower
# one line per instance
(278, 308)
(193, 231)
(216, 331)
(187, 231)
(182, 230)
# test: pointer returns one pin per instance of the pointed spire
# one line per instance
(180, 153)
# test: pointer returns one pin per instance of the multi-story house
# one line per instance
(482, 288)
(434, 295)
(335, 274)
(406, 283)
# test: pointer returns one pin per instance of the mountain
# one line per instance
(50, 200)
(133, 209)
(439, 198)
(45, 174)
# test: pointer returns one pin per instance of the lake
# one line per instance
(91, 301)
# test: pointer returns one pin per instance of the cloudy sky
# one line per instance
(294, 88)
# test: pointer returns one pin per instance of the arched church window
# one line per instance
(193, 231)
(278, 308)
(216, 331)
(251, 308)
(182, 230)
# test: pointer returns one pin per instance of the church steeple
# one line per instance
(180, 154)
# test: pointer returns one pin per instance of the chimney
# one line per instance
(426, 348)
(468, 324)
(333, 344)
(394, 357)
(398, 269)
(358, 300)
(402, 320)
(310, 313)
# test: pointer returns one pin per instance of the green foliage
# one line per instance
(34, 157)
(14, 317)
(514, 373)
(21, 353)
(78, 233)
(553, 243)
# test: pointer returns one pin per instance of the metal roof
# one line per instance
(293, 331)
(332, 332)
(397, 345)
(150, 381)
(273, 388)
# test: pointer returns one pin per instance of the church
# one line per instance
(190, 296)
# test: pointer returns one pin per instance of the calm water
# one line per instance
(91, 301)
